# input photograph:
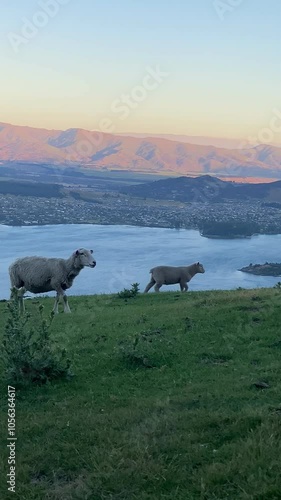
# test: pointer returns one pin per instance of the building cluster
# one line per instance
(120, 209)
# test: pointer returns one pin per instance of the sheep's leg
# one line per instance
(21, 292)
(150, 285)
(13, 291)
(66, 307)
(157, 287)
(184, 286)
(17, 295)
(56, 304)
(61, 293)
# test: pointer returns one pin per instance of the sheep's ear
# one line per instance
(198, 263)
(77, 252)
(91, 251)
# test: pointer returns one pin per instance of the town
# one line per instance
(116, 208)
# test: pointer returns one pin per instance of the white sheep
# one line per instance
(169, 275)
(42, 274)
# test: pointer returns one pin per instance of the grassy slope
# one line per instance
(194, 427)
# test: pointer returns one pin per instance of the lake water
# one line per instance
(125, 254)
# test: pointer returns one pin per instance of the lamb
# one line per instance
(41, 274)
(168, 275)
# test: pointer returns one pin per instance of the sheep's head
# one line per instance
(200, 268)
(85, 257)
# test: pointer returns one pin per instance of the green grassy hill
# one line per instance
(170, 414)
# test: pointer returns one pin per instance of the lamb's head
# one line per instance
(199, 268)
(84, 258)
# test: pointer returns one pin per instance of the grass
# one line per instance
(187, 424)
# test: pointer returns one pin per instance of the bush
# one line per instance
(28, 352)
(128, 294)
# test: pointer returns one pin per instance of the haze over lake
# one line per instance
(125, 254)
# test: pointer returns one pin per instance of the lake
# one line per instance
(125, 254)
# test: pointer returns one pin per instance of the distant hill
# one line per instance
(97, 151)
(218, 142)
(37, 189)
(205, 189)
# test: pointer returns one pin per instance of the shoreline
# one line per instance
(160, 226)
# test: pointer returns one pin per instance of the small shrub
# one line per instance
(128, 294)
(278, 285)
(28, 352)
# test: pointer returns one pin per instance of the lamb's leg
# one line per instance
(184, 286)
(157, 287)
(150, 285)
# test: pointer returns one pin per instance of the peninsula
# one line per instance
(267, 269)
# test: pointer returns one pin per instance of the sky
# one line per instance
(194, 67)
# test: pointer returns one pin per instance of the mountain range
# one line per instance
(219, 142)
(101, 151)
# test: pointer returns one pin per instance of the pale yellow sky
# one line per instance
(193, 73)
